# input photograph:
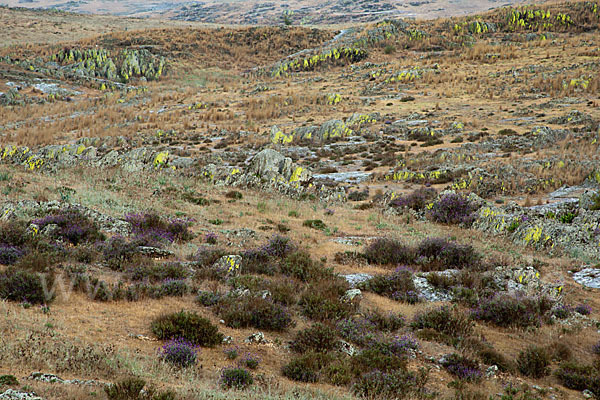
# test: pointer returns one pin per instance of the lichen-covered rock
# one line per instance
(272, 165)
(334, 128)
(12, 394)
(230, 266)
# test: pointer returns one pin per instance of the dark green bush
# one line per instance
(135, 389)
(315, 224)
(8, 380)
(534, 362)
(398, 384)
(189, 326)
(317, 338)
(490, 356)
(236, 378)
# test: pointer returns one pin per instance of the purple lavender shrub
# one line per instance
(417, 200)
(453, 208)
(179, 352)
(583, 309)
(462, 367)
(10, 254)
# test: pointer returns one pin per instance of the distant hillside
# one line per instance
(270, 12)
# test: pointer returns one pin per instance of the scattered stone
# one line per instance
(491, 371)
(588, 277)
(355, 279)
(12, 394)
(227, 340)
(256, 338)
(347, 348)
(352, 296)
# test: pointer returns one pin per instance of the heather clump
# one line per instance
(462, 367)
(385, 251)
(448, 321)
(256, 312)
(398, 285)
(152, 229)
(439, 253)
(235, 378)
(579, 377)
(416, 200)
(321, 300)
(71, 226)
(453, 208)
(534, 362)
(397, 384)
(512, 310)
(317, 338)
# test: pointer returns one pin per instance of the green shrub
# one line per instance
(236, 378)
(20, 285)
(534, 362)
(317, 338)
(8, 380)
(307, 367)
(490, 356)
(135, 389)
(255, 312)
(321, 301)
(399, 384)
(301, 266)
(189, 326)
(315, 224)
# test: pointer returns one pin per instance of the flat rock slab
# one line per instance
(12, 394)
(588, 277)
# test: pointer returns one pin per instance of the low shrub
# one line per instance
(155, 230)
(534, 362)
(258, 261)
(417, 200)
(560, 351)
(398, 285)
(561, 311)
(208, 299)
(307, 367)
(386, 251)
(317, 338)
(315, 224)
(301, 266)
(207, 256)
(72, 226)
(249, 361)
(279, 246)
(14, 233)
(583, 309)
(399, 384)
(358, 330)
(453, 208)
(490, 356)
(512, 310)
(21, 285)
(462, 367)
(179, 352)
(579, 377)
(321, 301)
(443, 254)
(8, 380)
(118, 252)
(158, 272)
(446, 320)
(136, 389)
(10, 254)
(388, 322)
(235, 378)
(189, 326)
(255, 312)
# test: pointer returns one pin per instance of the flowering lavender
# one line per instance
(562, 311)
(453, 208)
(151, 229)
(512, 310)
(462, 367)
(403, 345)
(596, 349)
(72, 226)
(358, 330)
(179, 352)
(398, 286)
(249, 361)
(211, 238)
(583, 309)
